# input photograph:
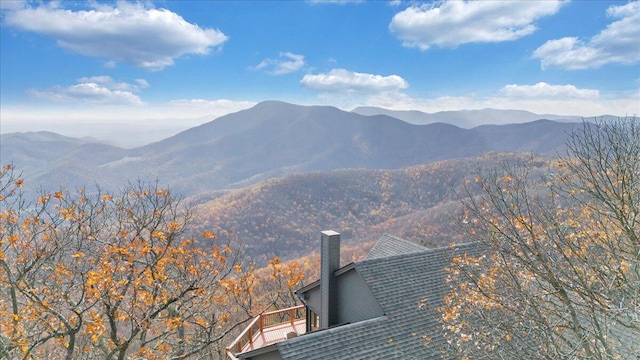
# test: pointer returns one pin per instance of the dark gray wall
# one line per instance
(356, 302)
(313, 302)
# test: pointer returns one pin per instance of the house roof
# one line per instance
(389, 245)
(409, 287)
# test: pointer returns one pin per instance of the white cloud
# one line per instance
(203, 107)
(142, 83)
(451, 23)
(287, 63)
(617, 43)
(94, 90)
(346, 89)
(129, 32)
(544, 90)
(341, 80)
(110, 64)
(12, 4)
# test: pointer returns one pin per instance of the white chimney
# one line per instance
(329, 263)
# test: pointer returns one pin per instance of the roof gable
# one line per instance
(389, 245)
(402, 281)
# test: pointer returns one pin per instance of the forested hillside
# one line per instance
(283, 217)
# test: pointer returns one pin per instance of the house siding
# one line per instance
(356, 302)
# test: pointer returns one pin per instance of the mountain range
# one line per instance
(465, 118)
(271, 140)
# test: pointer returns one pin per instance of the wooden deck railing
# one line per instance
(261, 322)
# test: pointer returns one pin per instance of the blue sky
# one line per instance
(80, 67)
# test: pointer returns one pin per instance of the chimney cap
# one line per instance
(330, 233)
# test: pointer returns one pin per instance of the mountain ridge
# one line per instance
(272, 139)
(469, 119)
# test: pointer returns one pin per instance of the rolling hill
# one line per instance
(284, 216)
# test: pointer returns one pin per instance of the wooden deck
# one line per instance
(274, 334)
(268, 328)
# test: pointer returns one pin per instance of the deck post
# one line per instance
(292, 317)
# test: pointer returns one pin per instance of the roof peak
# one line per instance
(389, 245)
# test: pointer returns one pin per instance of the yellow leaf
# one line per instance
(209, 235)
(173, 226)
(275, 260)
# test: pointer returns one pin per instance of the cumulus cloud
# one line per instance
(285, 64)
(544, 90)
(346, 89)
(617, 43)
(94, 90)
(341, 80)
(129, 32)
(451, 23)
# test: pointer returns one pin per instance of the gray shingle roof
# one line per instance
(389, 245)
(410, 288)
